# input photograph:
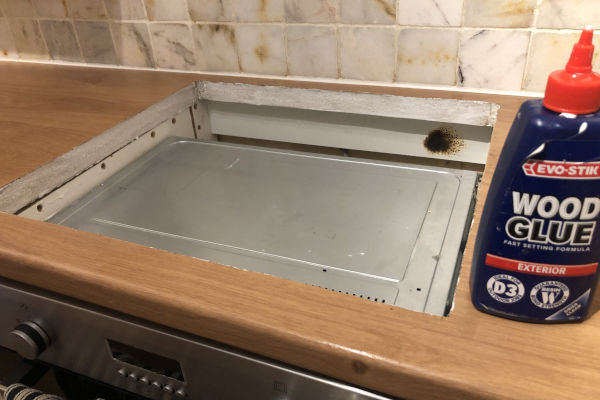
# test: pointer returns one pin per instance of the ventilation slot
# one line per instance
(362, 296)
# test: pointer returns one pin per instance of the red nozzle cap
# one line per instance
(575, 89)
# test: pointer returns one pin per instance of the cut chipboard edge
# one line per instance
(24, 191)
(45, 208)
(468, 112)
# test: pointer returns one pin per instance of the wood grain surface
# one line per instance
(468, 355)
(46, 111)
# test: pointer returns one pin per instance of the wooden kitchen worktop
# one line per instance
(47, 110)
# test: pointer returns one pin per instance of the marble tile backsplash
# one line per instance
(485, 44)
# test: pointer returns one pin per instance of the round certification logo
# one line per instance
(505, 288)
(549, 294)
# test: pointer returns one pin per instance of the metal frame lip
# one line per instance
(437, 237)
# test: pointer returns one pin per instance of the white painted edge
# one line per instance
(477, 113)
(38, 183)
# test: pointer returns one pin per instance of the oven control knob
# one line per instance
(29, 340)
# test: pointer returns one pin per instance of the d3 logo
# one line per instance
(505, 288)
(549, 294)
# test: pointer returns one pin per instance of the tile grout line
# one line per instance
(338, 39)
(152, 55)
(396, 51)
(111, 33)
(285, 50)
(151, 39)
(407, 85)
(12, 36)
(337, 25)
(461, 31)
(44, 39)
(75, 31)
(528, 55)
(374, 26)
(76, 34)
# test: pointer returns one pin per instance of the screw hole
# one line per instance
(195, 106)
(324, 270)
(103, 166)
(199, 127)
(418, 289)
(152, 134)
(383, 301)
(173, 121)
(39, 207)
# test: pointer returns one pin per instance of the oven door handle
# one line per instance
(25, 372)
(20, 391)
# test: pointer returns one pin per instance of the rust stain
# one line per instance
(264, 4)
(224, 29)
(262, 52)
(443, 140)
(231, 35)
(387, 8)
(435, 58)
(331, 11)
(64, 4)
(517, 7)
(150, 5)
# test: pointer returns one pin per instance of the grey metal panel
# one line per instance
(345, 130)
(371, 229)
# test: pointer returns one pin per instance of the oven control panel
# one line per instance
(152, 361)
(148, 383)
(150, 372)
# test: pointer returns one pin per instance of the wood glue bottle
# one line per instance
(538, 245)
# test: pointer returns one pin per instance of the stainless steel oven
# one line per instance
(144, 359)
